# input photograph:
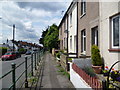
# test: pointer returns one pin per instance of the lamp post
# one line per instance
(13, 35)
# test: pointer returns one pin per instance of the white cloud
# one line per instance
(40, 13)
(29, 21)
(28, 25)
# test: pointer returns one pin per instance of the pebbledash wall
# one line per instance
(86, 21)
(72, 28)
(108, 10)
(62, 34)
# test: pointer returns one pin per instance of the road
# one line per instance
(5, 66)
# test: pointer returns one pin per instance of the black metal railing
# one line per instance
(34, 62)
(107, 83)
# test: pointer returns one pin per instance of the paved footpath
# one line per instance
(50, 77)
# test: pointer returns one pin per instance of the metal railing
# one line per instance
(107, 83)
(35, 59)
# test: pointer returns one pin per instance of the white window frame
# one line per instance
(65, 24)
(83, 7)
(71, 18)
(115, 47)
(83, 37)
(71, 42)
(96, 37)
(75, 43)
(96, 41)
(61, 30)
(64, 43)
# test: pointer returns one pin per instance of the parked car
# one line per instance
(28, 53)
(18, 54)
(8, 56)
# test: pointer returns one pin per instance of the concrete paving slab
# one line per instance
(51, 78)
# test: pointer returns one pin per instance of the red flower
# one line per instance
(106, 67)
(113, 69)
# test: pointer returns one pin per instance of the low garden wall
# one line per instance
(93, 82)
(63, 61)
(82, 62)
(77, 81)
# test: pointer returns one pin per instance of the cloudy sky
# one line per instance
(30, 18)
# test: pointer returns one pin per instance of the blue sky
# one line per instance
(30, 18)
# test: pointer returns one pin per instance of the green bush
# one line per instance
(69, 59)
(3, 50)
(58, 54)
(22, 50)
(89, 71)
(62, 51)
(96, 57)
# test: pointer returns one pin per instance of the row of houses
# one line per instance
(88, 23)
(10, 44)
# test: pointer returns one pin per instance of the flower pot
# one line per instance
(97, 69)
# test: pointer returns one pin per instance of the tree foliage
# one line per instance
(41, 41)
(3, 50)
(50, 37)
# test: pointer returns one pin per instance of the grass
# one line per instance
(63, 72)
(33, 79)
(30, 75)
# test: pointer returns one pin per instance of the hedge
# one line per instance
(3, 50)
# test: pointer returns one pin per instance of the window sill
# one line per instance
(114, 50)
(70, 25)
(82, 15)
(83, 53)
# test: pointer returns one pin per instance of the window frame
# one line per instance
(75, 42)
(64, 25)
(112, 36)
(70, 18)
(96, 36)
(71, 42)
(83, 41)
(61, 30)
(64, 42)
(83, 7)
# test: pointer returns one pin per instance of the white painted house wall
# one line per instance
(72, 29)
(107, 9)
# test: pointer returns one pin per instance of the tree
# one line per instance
(50, 37)
(41, 40)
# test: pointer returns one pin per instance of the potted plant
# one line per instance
(115, 75)
(96, 59)
(105, 71)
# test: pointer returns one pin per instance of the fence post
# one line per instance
(39, 56)
(104, 85)
(13, 75)
(35, 62)
(26, 81)
(32, 64)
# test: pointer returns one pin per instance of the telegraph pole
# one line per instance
(13, 35)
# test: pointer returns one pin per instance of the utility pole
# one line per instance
(13, 35)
